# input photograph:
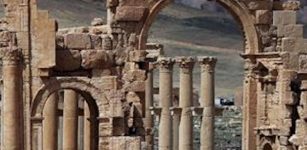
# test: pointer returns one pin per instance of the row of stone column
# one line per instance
(184, 139)
(70, 122)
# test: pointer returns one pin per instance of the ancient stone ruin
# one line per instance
(103, 73)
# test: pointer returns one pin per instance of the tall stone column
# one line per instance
(207, 101)
(186, 65)
(87, 127)
(249, 107)
(70, 120)
(50, 123)
(149, 103)
(12, 100)
(165, 88)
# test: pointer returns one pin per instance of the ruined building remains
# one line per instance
(110, 66)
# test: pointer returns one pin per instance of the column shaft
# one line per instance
(87, 127)
(207, 101)
(70, 120)
(11, 103)
(165, 88)
(149, 103)
(249, 108)
(185, 102)
(50, 123)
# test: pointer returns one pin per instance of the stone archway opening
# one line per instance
(192, 32)
(65, 113)
(69, 121)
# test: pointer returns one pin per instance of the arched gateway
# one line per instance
(109, 66)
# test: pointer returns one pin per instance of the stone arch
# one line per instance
(92, 94)
(153, 13)
(267, 143)
(237, 9)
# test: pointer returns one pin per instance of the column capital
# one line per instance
(165, 62)
(186, 62)
(152, 66)
(207, 62)
(11, 56)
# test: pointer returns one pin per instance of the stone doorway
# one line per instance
(68, 122)
(226, 70)
(65, 116)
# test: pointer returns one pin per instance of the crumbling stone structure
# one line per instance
(109, 65)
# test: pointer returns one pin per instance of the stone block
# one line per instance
(293, 30)
(284, 140)
(96, 59)
(300, 125)
(301, 112)
(133, 97)
(105, 129)
(136, 86)
(296, 140)
(289, 44)
(78, 41)
(135, 75)
(284, 17)
(125, 143)
(258, 5)
(137, 55)
(290, 61)
(285, 127)
(107, 43)
(68, 60)
(96, 41)
(287, 76)
(44, 38)
(108, 83)
(263, 17)
(116, 110)
(130, 13)
(99, 30)
(101, 72)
